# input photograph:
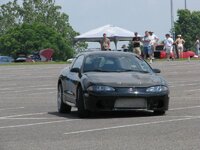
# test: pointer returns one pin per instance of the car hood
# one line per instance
(125, 79)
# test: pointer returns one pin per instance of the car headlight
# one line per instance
(100, 88)
(156, 89)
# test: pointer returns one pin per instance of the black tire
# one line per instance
(159, 112)
(62, 107)
(82, 112)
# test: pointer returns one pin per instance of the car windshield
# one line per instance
(115, 63)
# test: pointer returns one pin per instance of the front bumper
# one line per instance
(107, 101)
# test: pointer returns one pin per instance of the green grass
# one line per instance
(64, 62)
(33, 63)
(177, 59)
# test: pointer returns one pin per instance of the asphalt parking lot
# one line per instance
(29, 118)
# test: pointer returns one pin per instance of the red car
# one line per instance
(161, 53)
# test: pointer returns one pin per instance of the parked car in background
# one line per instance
(6, 59)
(97, 81)
(70, 60)
(24, 59)
(20, 59)
(160, 53)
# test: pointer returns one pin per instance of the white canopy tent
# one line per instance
(114, 33)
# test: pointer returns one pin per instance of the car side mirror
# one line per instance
(156, 71)
(76, 70)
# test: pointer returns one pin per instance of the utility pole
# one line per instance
(172, 28)
(172, 19)
(185, 4)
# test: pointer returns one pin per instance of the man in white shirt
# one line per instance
(168, 45)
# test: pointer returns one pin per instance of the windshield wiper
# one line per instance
(96, 70)
(131, 70)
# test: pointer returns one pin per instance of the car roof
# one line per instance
(109, 53)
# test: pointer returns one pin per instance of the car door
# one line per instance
(73, 79)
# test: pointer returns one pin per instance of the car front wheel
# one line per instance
(62, 107)
(82, 112)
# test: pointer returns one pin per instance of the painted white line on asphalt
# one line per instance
(29, 90)
(64, 117)
(25, 87)
(32, 94)
(189, 84)
(8, 84)
(193, 90)
(35, 89)
(21, 115)
(180, 97)
(47, 88)
(11, 108)
(42, 113)
(40, 123)
(181, 108)
(130, 125)
(179, 82)
(31, 118)
(179, 116)
(5, 89)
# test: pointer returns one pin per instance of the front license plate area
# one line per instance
(131, 103)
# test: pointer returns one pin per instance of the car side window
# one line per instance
(144, 66)
(78, 62)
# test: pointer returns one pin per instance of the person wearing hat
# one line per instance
(154, 40)
(136, 44)
(179, 43)
(105, 43)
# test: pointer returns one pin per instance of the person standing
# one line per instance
(197, 46)
(105, 43)
(179, 43)
(154, 41)
(147, 46)
(136, 44)
(168, 45)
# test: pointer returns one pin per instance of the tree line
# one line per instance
(188, 25)
(40, 24)
(35, 25)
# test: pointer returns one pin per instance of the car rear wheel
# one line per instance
(82, 112)
(159, 112)
(62, 107)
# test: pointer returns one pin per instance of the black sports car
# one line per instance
(111, 81)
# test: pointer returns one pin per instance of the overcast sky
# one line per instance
(134, 15)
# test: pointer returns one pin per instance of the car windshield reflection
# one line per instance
(115, 63)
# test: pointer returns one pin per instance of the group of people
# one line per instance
(149, 41)
(179, 43)
(169, 44)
